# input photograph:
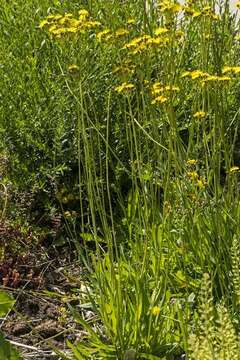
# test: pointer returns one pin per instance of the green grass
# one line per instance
(149, 175)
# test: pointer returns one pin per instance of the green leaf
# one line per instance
(7, 351)
(6, 303)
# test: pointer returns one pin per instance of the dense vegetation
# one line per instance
(120, 138)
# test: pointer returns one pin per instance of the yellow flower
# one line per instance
(83, 13)
(234, 169)
(68, 15)
(195, 74)
(238, 4)
(121, 32)
(159, 99)
(124, 87)
(131, 21)
(158, 88)
(160, 31)
(231, 69)
(191, 162)
(50, 17)
(170, 7)
(200, 183)
(155, 310)
(90, 24)
(72, 30)
(73, 68)
(200, 114)
(43, 23)
(104, 35)
(193, 175)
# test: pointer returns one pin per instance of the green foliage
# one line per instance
(7, 351)
(6, 303)
(124, 117)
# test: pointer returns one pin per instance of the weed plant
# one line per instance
(125, 115)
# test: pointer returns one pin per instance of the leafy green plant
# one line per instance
(7, 351)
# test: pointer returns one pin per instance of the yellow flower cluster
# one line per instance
(107, 34)
(199, 182)
(169, 6)
(124, 88)
(141, 43)
(231, 69)
(204, 12)
(204, 77)
(59, 25)
(161, 92)
(191, 162)
(234, 169)
(174, 7)
(200, 114)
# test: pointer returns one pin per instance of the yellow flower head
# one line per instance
(231, 69)
(43, 23)
(131, 21)
(193, 175)
(169, 6)
(121, 32)
(104, 35)
(160, 31)
(124, 87)
(234, 169)
(83, 14)
(200, 114)
(155, 310)
(191, 162)
(73, 68)
(159, 100)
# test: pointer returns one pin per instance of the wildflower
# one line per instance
(131, 21)
(209, 78)
(160, 31)
(168, 6)
(200, 114)
(90, 24)
(158, 88)
(234, 169)
(193, 175)
(238, 4)
(68, 15)
(231, 69)
(57, 17)
(104, 35)
(73, 68)
(124, 87)
(67, 213)
(50, 17)
(191, 162)
(57, 31)
(121, 32)
(156, 310)
(196, 74)
(159, 99)
(72, 29)
(191, 12)
(83, 14)
(43, 23)
(200, 183)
